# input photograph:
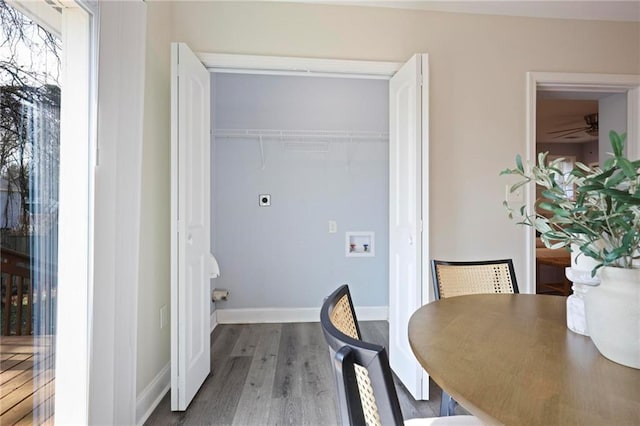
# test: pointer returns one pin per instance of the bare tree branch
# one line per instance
(29, 108)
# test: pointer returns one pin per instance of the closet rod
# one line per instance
(336, 135)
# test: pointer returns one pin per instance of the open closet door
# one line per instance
(192, 265)
(408, 198)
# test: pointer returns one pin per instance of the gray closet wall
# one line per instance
(283, 256)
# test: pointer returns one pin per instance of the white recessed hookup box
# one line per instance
(360, 244)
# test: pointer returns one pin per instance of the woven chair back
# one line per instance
(368, 364)
(342, 318)
(462, 278)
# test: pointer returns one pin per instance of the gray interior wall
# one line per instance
(283, 256)
(612, 116)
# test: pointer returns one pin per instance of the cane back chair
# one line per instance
(366, 392)
(461, 278)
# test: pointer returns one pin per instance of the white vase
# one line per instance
(580, 275)
(582, 282)
(613, 315)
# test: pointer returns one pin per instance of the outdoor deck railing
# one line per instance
(17, 293)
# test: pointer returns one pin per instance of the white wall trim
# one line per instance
(151, 395)
(75, 252)
(574, 82)
(274, 315)
(118, 179)
(371, 313)
(214, 321)
(585, 82)
(223, 62)
(42, 12)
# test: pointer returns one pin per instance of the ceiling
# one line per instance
(606, 10)
(554, 115)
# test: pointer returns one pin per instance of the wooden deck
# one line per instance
(26, 380)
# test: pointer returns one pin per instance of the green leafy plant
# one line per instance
(601, 217)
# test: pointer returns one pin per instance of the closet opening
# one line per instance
(316, 148)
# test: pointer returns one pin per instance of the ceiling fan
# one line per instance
(591, 128)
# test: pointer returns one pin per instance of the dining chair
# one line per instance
(366, 392)
(452, 279)
(461, 278)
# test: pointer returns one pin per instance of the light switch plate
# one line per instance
(164, 317)
(333, 227)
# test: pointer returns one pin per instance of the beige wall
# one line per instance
(478, 65)
(153, 290)
(477, 109)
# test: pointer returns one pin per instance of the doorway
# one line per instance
(567, 129)
(608, 102)
(411, 138)
(408, 91)
(316, 148)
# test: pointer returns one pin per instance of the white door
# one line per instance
(408, 198)
(191, 262)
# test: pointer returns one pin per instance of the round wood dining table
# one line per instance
(510, 359)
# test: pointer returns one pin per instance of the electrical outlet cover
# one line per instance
(264, 200)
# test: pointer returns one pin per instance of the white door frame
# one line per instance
(287, 65)
(282, 65)
(574, 82)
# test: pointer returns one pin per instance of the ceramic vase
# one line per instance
(580, 275)
(613, 315)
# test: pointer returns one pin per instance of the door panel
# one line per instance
(190, 222)
(406, 191)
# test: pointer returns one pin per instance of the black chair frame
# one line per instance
(435, 263)
(347, 352)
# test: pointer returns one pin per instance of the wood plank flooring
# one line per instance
(275, 374)
(26, 380)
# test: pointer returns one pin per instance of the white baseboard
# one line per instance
(372, 313)
(151, 396)
(266, 315)
(214, 321)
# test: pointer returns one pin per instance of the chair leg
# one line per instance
(447, 405)
(452, 406)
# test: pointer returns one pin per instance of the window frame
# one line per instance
(75, 23)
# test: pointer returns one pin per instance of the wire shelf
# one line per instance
(312, 136)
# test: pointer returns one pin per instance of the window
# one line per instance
(30, 89)
(565, 166)
(49, 150)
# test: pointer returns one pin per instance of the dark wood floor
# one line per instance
(275, 374)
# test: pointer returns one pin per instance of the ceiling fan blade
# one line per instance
(578, 129)
(570, 133)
